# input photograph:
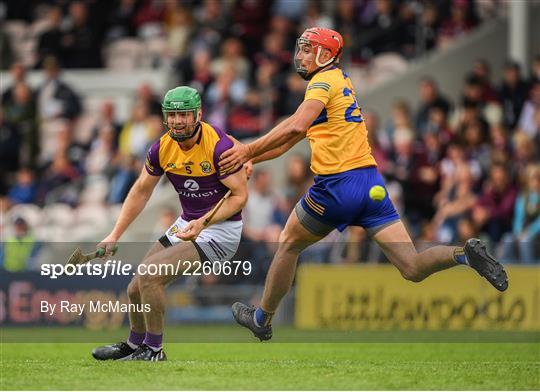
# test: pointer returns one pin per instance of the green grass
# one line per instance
(251, 366)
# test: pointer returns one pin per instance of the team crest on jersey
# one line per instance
(171, 165)
(206, 167)
(173, 230)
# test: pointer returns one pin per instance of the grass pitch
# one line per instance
(513, 363)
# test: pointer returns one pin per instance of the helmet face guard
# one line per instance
(182, 100)
(317, 39)
(302, 45)
(191, 128)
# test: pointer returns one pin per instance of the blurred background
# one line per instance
(450, 91)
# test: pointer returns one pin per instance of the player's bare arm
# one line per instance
(289, 129)
(237, 183)
(133, 205)
(278, 151)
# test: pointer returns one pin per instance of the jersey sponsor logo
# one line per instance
(191, 185)
(206, 167)
(199, 194)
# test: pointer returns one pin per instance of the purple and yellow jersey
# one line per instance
(194, 173)
(338, 137)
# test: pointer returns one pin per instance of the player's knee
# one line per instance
(412, 274)
(289, 242)
(133, 289)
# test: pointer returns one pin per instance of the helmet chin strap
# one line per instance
(183, 138)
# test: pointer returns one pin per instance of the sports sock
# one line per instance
(135, 339)
(262, 318)
(459, 256)
(153, 341)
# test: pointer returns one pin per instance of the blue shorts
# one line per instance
(356, 197)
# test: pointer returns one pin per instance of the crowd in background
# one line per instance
(453, 169)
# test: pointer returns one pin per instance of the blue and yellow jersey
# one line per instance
(338, 137)
(194, 173)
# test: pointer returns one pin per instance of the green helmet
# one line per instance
(182, 99)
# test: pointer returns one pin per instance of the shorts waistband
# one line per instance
(347, 172)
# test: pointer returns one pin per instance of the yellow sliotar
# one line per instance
(377, 193)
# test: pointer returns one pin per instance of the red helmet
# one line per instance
(319, 38)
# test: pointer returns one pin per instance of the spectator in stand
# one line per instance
(19, 251)
(250, 22)
(245, 119)
(527, 121)
(136, 132)
(499, 141)
(457, 25)
(107, 119)
(525, 153)
(407, 29)
(50, 40)
(120, 20)
(274, 52)
(180, 33)
(384, 33)
(123, 179)
(59, 181)
(146, 94)
(400, 122)
(535, 72)
(380, 146)
(231, 56)
(474, 138)
(55, 98)
(429, 97)
(526, 225)
(225, 91)
(82, 40)
(494, 209)
(454, 202)
(291, 95)
(513, 94)
(101, 152)
(197, 73)
(314, 16)
(17, 71)
(259, 212)
(438, 125)
(455, 156)
(10, 142)
(482, 71)
(429, 26)
(21, 110)
(149, 17)
(212, 23)
(25, 188)
(299, 179)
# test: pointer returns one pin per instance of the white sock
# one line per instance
(156, 349)
(132, 345)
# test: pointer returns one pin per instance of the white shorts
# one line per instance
(219, 241)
